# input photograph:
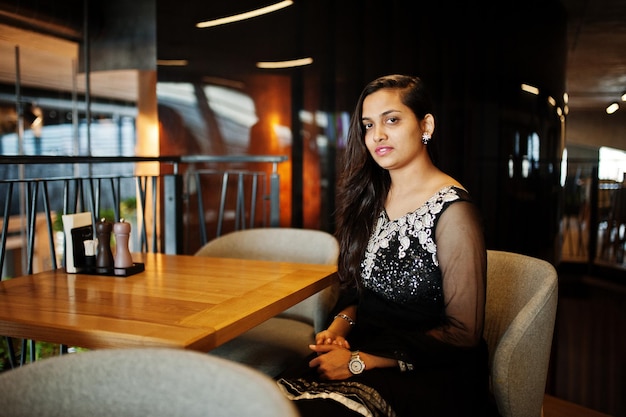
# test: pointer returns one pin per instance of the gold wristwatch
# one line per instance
(356, 364)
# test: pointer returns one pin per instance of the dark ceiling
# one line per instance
(596, 64)
(243, 42)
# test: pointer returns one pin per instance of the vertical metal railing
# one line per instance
(78, 194)
(246, 197)
(249, 190)
(242, 198)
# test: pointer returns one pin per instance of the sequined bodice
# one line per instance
(400, 262)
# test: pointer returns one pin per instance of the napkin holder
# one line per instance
(78, 228)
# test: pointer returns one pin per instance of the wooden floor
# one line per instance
(588, 364)
(556, 407)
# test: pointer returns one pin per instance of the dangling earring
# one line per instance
(425, 138)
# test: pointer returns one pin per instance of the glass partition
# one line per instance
(594, 207)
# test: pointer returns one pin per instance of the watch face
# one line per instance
(356, 365)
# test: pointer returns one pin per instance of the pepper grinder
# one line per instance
(123, 259)
(104, 257)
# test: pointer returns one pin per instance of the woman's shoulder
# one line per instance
(443, 183)
(450, 196)
(452, 192)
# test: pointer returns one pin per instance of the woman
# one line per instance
(406, 339)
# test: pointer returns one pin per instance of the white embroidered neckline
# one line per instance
(417, 224)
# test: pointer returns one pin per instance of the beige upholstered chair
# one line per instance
(519, 323)
(277, 343)
(140, 382)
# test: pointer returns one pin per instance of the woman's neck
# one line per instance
(410, 189)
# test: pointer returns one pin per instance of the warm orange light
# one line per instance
(172, 62)
(530, 89)
(613, 107)
(246, 15)
(284, 64)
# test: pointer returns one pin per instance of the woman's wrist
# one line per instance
(374, 361)
(345, 317)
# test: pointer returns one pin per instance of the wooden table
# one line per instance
(178, 301)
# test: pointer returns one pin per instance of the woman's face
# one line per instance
(392, 131)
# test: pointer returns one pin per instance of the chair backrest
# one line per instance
(140, 382)
(287, 245)
(275, 244)
(520, 313)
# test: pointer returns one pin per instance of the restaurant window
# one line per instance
(50, 130)
(205, 118)
(612, 164)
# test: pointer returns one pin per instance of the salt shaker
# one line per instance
(121, 230)
(104, 256)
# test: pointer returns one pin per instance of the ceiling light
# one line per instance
(223, 81)
(530, 89)
(285, 64)
(246, 15)
(624, 96)
(172, 62)
(612, 108)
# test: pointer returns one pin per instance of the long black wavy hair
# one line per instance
(364, 185)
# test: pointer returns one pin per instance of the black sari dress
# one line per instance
(417, 273)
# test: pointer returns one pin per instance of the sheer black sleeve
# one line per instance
(463, 262)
